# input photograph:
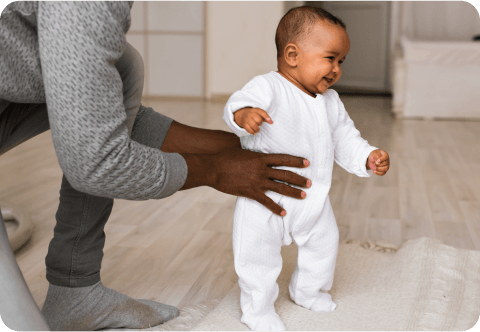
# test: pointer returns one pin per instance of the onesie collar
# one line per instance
(298, 90)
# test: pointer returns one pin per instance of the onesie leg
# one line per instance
(313, 275)
(257, 240)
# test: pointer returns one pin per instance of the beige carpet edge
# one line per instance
(432, 286)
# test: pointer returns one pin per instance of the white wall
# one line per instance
(240, 43)
(170, 37)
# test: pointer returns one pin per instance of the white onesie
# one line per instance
(320, 130)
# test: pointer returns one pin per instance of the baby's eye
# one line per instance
(330, 57)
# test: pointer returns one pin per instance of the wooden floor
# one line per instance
(178, 250)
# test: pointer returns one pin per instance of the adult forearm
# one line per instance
(200, 172)
(184, 139)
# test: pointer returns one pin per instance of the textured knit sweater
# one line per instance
(63, 54)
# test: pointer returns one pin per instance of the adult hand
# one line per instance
(246, 173)
(215, 158)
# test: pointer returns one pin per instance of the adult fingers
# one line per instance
(289, 177)
(285, 160)
(270, 204)
(285, 190)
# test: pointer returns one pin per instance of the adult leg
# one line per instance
(76, 299)
(313, 275)
(74, 257)
(257, 241)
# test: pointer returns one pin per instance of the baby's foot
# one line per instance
(323, 303)
(270, 322)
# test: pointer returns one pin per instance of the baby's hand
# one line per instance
(251, 118)
(378, 161)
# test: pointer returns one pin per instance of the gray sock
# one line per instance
(98, 307)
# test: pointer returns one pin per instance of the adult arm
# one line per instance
(215, 159)
(79, 43)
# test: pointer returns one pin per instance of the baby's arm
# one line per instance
(251, 118)
(351, 150)
(245, 109)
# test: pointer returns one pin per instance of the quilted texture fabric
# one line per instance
(318, 129)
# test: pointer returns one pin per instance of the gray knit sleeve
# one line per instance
(79, 43)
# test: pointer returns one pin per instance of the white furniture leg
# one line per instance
(18, 309)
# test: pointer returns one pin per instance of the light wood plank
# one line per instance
(471, 212)
(443, 203)
(175, 281)
(455, 233)
(381, 229)
(223, 220)
(414, 205)
(217, 278)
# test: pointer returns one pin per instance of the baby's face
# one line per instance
(320, 57)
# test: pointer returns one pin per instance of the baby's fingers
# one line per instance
(382, 163)
(381, 170)
(254, 120)
(249, 129)
(263, 115)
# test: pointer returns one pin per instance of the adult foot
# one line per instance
(98, 307)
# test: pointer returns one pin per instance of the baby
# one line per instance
(306, 119)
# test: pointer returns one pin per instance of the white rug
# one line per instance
(425, 285)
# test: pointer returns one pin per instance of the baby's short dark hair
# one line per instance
(298, 22)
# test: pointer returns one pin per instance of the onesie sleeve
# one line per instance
(351, 150)
(79, 43)
(257, 93)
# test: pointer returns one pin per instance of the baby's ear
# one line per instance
(290, 55)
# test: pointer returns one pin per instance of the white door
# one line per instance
(366, 67)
